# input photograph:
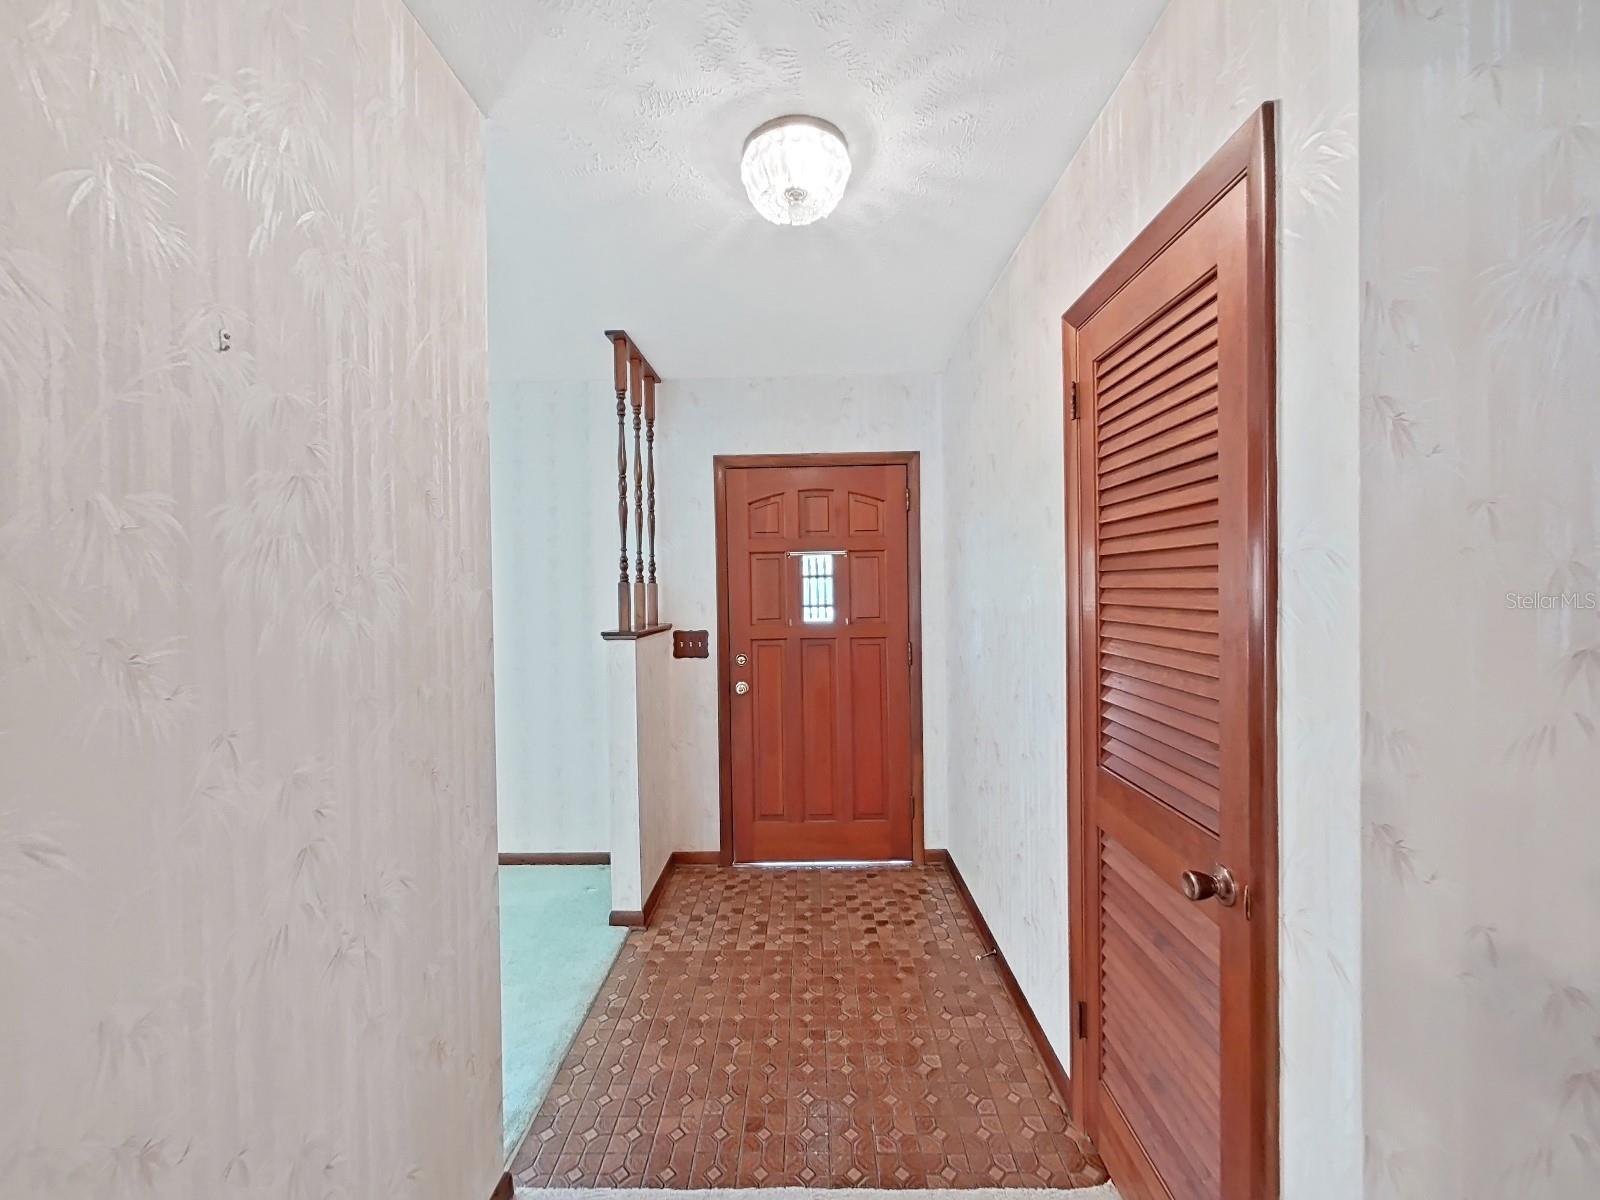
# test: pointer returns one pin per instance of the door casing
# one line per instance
(721, 464)
(1248, 157)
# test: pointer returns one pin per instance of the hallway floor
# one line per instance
(821, 1028)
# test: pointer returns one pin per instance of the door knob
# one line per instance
(1217, 882)
(740, 688)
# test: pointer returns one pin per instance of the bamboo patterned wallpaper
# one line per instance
(1206, 67)
(1480, 469)
(248, 926)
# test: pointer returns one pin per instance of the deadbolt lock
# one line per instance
(741, 659)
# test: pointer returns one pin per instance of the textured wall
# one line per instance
(567, 581)
(1208, 64)
(247, 887)
(621, 774)
(660, 805)
(641, 775)
(554, 485)
(1480, 464)
(702, 419)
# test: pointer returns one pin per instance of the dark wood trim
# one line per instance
(1052, 1064)
(1077, 776)
(914, 618)
(632, 918)
(632, 635)
(641, 918)
(616, 335)
(505, 1189)
(721, 464)
(654, 898)
(598, 858)
(1248, 156)
(1225, 168)
(696, 858)
(856, 458)
(1262, 182)
(724, 701)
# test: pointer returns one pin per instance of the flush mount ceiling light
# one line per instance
(795, 169)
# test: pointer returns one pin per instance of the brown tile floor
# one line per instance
(825, 1028)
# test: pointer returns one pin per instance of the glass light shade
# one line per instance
(795, 169)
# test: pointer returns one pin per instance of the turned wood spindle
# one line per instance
(636, 388)
(652, 606)
(620, 347)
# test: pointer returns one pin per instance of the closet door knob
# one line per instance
(1217, 883)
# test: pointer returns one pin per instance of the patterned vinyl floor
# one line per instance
(819, 1028)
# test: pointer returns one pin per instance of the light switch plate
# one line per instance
(691, 643)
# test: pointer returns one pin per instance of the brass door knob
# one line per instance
(740, 688)
(1217, 883)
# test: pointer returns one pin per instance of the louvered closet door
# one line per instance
(1168, 690)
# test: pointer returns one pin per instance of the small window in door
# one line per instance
(816, 589)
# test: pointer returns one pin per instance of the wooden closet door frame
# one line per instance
(721, 464)
(1248, 156)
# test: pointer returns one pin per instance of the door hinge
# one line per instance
(910, 653)
(1074, 399)
(908, 499)
(1083, 1019)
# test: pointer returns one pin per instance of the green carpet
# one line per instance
(555, 951)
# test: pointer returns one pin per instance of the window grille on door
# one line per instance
(816, 589)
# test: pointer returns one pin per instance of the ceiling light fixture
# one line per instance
(795, 169)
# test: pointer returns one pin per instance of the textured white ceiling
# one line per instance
(614, 198)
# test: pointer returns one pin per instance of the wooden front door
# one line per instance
(818, 672)
(1172, 674)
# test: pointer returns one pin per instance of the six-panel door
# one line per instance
(819, 643)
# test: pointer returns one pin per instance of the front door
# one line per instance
(817, 633)
(1175, 962)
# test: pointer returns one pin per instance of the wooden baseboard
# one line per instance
(1052, 1064)
(697, 858)
(640, 919)
(559, 859)
(505, 1189)
(654, 898)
